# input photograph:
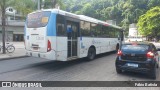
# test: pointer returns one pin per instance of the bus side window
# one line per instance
(102, 32)
(60, 26)
(85, 29)
(94, 30)
(105, 32)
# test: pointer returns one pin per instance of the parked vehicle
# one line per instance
(138, 57)
(62, 36)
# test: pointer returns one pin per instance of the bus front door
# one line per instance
(72, 34)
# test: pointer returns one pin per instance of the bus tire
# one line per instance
(91, 53)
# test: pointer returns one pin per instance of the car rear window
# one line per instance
(135, 48)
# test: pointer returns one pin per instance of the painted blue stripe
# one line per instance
(51, 27)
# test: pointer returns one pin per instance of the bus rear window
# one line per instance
(39, 19)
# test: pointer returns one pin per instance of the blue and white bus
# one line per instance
(59, 35)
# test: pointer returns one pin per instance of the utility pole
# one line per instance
(3, 24)
(54, 2)
(39, 6)
(42, 4)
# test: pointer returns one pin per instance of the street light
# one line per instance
(38, 5)
(42, 6)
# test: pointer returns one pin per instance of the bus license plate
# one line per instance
(132, 65)
(35, 48)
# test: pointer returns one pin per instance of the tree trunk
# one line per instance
(3, 26)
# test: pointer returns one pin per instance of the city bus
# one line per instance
(59, 35)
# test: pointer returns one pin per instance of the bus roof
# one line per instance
(81, 17)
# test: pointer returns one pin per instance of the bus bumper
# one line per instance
(49, 55)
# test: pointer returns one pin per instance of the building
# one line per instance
(133, 31)
(14, 29)
(133, 34)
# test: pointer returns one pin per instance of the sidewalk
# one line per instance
(18, 53)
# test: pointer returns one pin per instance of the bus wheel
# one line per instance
(91, 53)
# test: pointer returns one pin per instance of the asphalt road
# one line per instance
(100, 69)
(36, 69)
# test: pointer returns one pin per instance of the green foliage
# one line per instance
(5, 3)
(148, 23)
(124, 12)
(48, 4)
(23, 6)
(27, 6)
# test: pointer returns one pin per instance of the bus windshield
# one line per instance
(39, 19)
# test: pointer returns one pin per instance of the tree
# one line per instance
(3, 5)
(24, 6)
(21, 5)
(123, 11)
(52, 4)
(148, 23)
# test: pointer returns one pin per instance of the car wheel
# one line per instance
(91, 53)
(118, 70)
(153, 74)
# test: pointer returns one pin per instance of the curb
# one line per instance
(1, 59)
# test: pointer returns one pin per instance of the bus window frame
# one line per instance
(64, 22)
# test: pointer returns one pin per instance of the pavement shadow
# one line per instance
(57, 65)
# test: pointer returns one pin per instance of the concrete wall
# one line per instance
(12, 28)
(9, 36)
(133, 32)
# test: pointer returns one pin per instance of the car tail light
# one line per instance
(150, 55)
(49, 46)
(119, 53)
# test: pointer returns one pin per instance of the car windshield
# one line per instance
(135, 48)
